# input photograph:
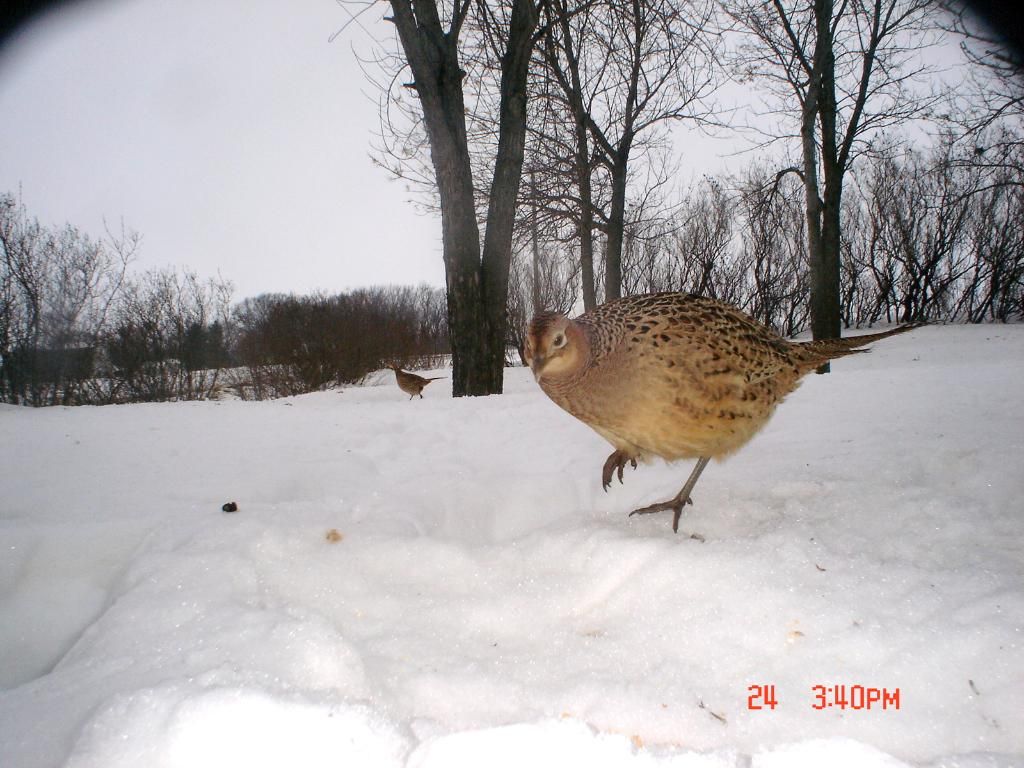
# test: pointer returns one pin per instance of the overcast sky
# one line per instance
(231, 134)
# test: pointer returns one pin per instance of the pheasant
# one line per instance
(672, 375)
(410, 383)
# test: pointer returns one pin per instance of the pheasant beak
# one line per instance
(536, 365)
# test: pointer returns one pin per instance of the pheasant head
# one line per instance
(555, 346)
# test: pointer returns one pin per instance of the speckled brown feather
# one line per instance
(676, 375)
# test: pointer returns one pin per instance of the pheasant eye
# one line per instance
(558, 341)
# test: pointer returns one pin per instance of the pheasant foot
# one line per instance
(679, 501)
(615, 463)
(676, 504)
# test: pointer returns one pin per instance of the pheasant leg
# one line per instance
(679, 501)
(615, 463)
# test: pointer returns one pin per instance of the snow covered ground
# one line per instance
(444, 583)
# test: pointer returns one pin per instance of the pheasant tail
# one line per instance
(814, 353)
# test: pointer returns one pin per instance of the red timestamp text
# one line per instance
(832, 696)
(840, 696)
(761, 697)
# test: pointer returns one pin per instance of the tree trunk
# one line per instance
(460, 238)
(826, 315)
(501, 209)
(825, 282)
(534, 247)
(813, 202)
(822, 215)
(477, 289)
(573, 88)
(586, 227)
(615, 230)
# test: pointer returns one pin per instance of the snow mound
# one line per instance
(179, 727)
(442, 582)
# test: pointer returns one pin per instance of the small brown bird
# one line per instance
(410, 383)
(672, 375)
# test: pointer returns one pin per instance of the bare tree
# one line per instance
(168, 339)
(772, 244)
(438, 46)
(989, 111)
(622, 72)
(848, 68)
(933, 238)
(995, 249)
(700, 257)
(550, 281)
(561, 139)
(56, 290)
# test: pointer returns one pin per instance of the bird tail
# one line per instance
(435, 378)
(815, 353)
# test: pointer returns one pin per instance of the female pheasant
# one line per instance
(672, 375)
(410, 383)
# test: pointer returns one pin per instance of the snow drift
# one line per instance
(443, 582)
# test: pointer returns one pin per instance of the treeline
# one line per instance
(76, 328)
(288, 345)
(929, 235)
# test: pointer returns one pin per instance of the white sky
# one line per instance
(231, 134)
